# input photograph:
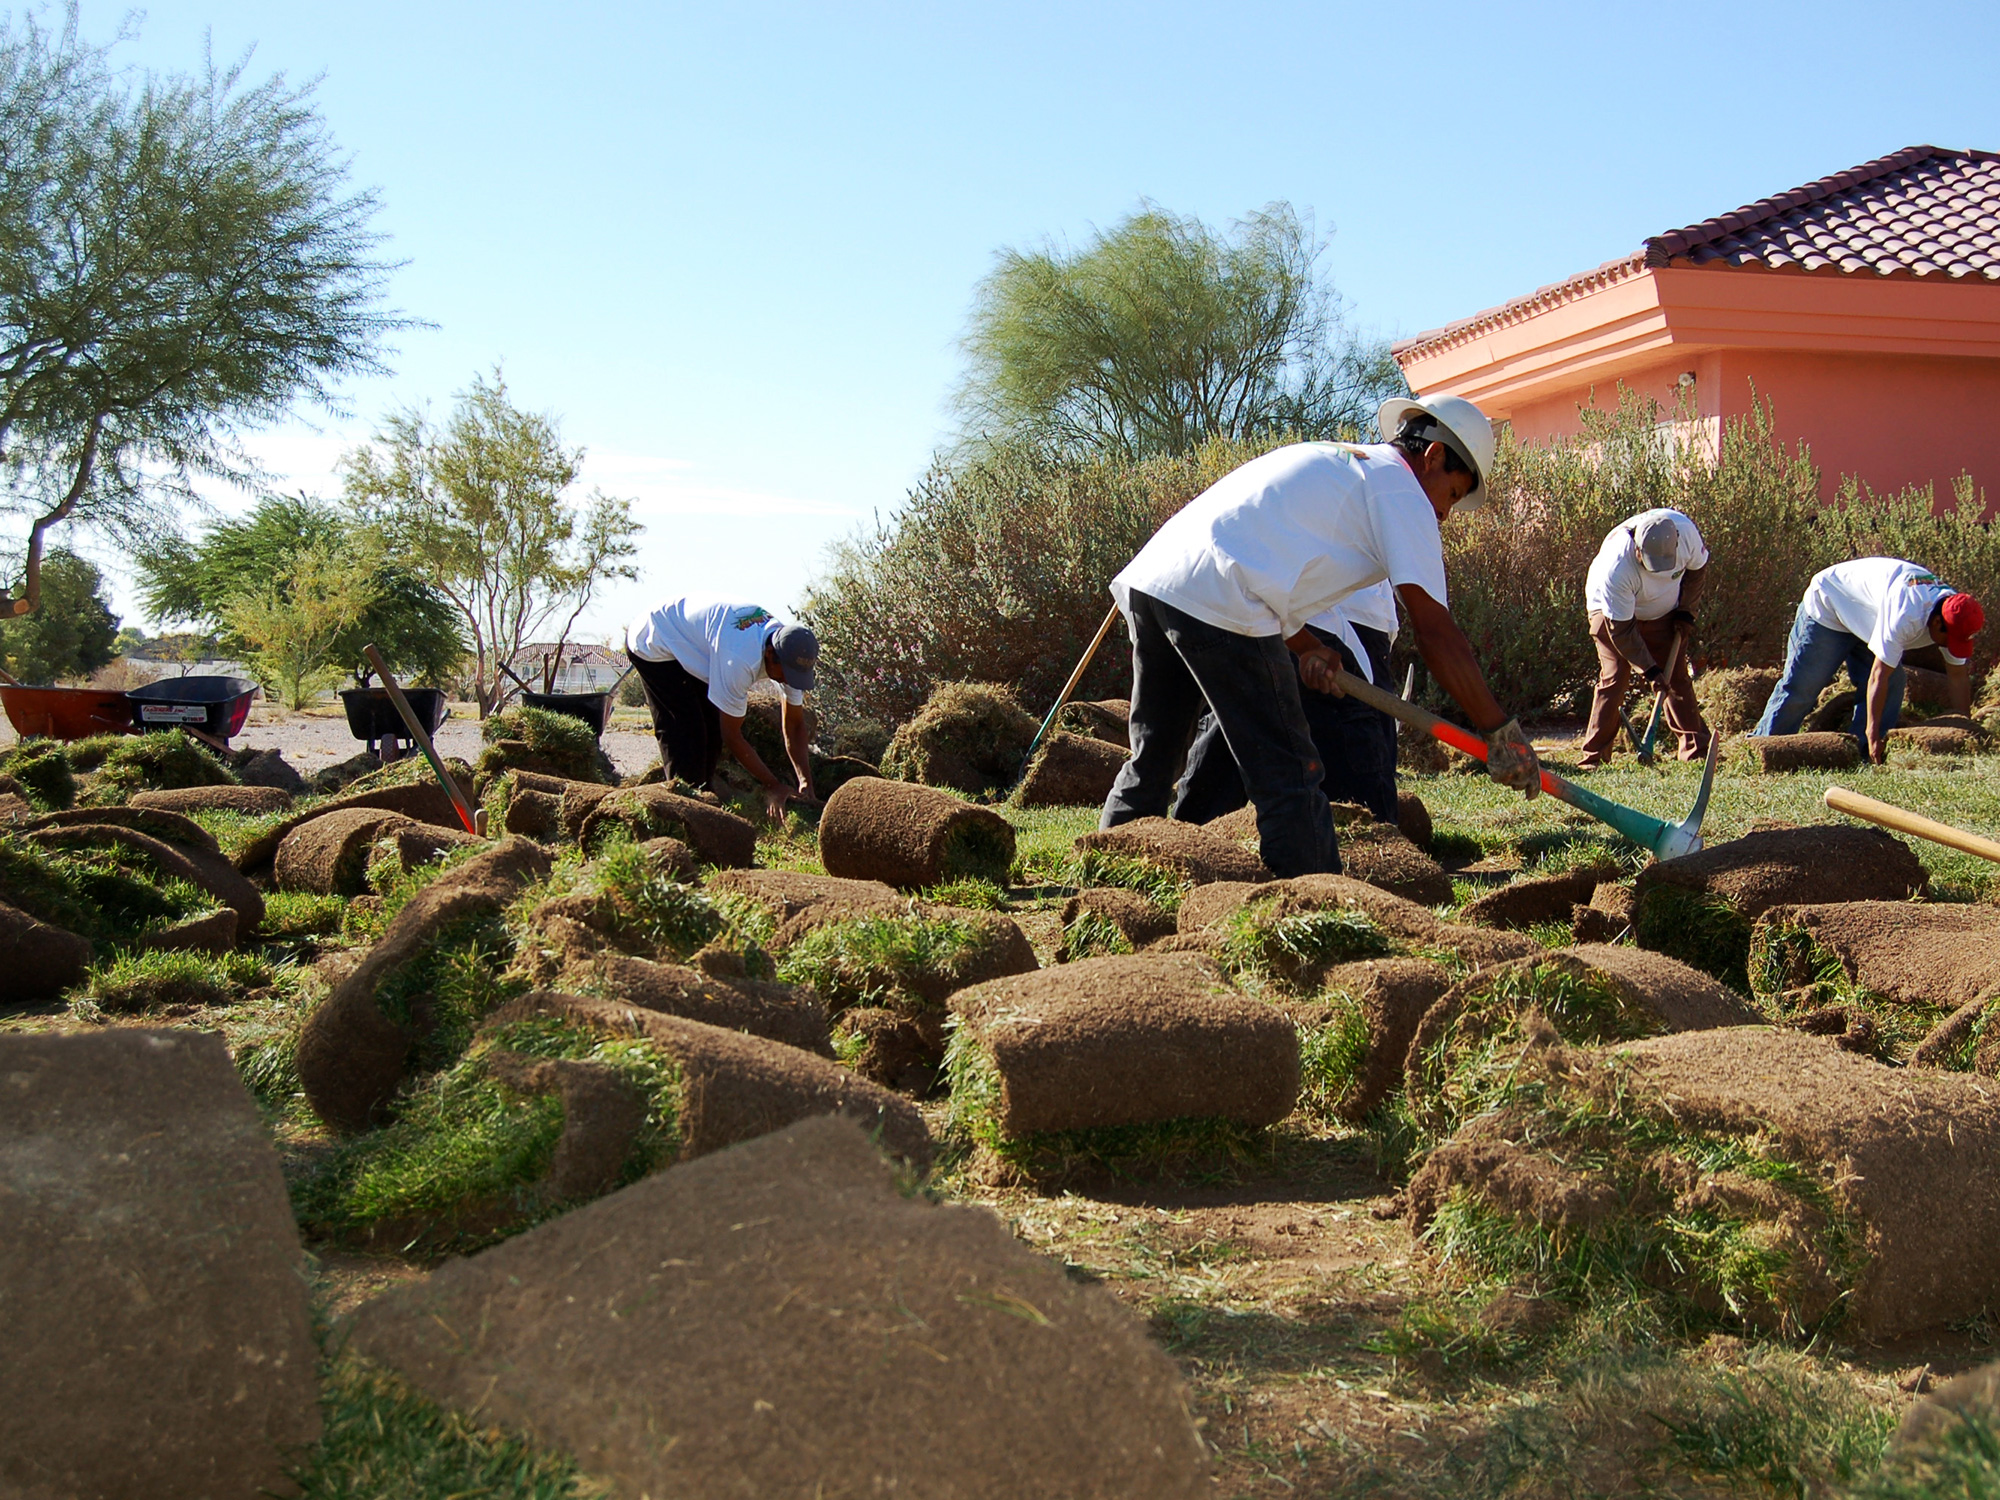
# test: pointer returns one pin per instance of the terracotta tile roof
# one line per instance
(1923, 212)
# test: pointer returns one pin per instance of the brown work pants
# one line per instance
(1614, 674)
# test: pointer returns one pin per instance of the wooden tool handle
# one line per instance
(423, 738)
(1082, 666)
(1902, 820)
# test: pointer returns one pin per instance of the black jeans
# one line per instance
(687, 725)
(1357, 743)
(1182, 668)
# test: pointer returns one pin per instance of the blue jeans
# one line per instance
(1814, 656)
(1356, 742)
(1182, 668)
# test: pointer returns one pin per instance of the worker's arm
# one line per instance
(800, 750)
(1878, 710)
(1510, 759)
(776, 793)
(1625, 639)
(1693, 581)
(1317, 662)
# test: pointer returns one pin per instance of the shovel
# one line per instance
(474, 822)
(1888, 815)
(1645, 745)
(1666, 840)
(1082, 666)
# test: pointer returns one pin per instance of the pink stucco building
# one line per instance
(1864, 306)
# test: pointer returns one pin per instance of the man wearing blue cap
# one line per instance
(698, 659)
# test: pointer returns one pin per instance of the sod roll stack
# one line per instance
(1810, 750)
(911, 836)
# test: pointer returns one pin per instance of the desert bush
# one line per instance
(994, 569)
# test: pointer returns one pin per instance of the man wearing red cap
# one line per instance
(1871, 615)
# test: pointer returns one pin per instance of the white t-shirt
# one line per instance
(1619, 587)
(719, 642)
(1267, 547)
(1373, 607)
(1885, 601)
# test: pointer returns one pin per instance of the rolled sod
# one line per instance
(211, 932)
(1070, 770)
(799, 901)
(1133, 1040)
(1536, 899)
(915, 958)
(351, 1055)
(1109, 914)
(151, 1281)
(893, 1046)
(169, 827)
(1414, 819)
(1732, 700)
(1195, 854)
(1107, 719)
(256, 801)
(1758, 1175)
(1700, 908)
(1380, 854)
(736, 1086)
(209, 871)
(968, 736)
(1946, 734)
(425, 801)
(726, 1328)
(1810, 751)
(912, 836)
(1205, 910)
(776, 1012)
(1393, 996)
(1909, 953)
(547, 806)
(717, 836)
(39, 960)
(329, 856)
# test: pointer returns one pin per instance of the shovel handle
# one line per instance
(1082, 666)
(422, 736)
(1902, 820)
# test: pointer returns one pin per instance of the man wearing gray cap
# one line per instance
(698, 658)
(1640, 592)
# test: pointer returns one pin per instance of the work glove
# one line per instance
(1510, 759)
(1683, 621)
(1654, 675)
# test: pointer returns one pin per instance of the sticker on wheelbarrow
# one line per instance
(173, 713)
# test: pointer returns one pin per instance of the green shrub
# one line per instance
(43, 769)
(464, 1141)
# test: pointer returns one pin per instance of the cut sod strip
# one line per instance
(1741, 1175)
(912, 836)
(1128, 1063)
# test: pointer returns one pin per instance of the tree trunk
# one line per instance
(31, 582)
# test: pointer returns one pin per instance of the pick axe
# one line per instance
(1643, 743)
(1666, 840)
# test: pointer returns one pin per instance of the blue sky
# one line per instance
(733, 247)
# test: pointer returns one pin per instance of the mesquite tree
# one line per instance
(179, 262)
(479, 509)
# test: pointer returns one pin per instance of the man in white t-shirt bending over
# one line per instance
(1217, 603)
(698, 658)
(1871, 615)
(1640, 593)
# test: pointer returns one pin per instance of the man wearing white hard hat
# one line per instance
(1218, 601)
(1640, 593)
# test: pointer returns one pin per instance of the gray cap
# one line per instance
(1659, 542)
(797, 650)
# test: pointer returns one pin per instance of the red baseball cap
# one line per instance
(1962, 621)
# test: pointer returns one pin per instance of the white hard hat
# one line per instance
(1465, 431)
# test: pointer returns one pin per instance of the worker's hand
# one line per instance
(1511, 761)
(1317, 669)
(775, 798)
(1683, 622)
(1654, 675)
(1878, 749)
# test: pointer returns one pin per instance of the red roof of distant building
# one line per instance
(1923, 212)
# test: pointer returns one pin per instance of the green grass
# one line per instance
(1091, 934)
(153, 762)
(132, 982)
(44, 771)
(451, 985)
(462, 1140)
(1964, 793)
(1332, 1056)
(1089, 867)
(874, 960)
(1297, 948)
(1792, 976)
(971, 893)
(109, 895)
(1697, 928)
(1960, 1463)
(381, 1438)
(289, 915)
(1044, 840)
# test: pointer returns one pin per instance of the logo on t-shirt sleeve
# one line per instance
(751, 615)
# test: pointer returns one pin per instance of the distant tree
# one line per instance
(72, 635)
(201, 580)
(291, 625)
(179, 262)
(130, 639)
(1161, 334)
(479, 509)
